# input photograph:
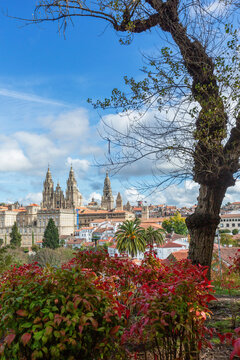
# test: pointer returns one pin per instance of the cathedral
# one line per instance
(55, 199)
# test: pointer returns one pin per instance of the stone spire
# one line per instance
(107, 202)
(59, 201)
(119, 203)
(73, 196)
(48, 191)
(128, 207)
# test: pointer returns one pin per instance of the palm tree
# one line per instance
(154, 236)
(130, 237)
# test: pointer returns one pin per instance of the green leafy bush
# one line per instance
(52, 257)
(56, 314)
(10, 256)
(96, 307)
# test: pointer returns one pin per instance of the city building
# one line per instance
(66, 210)
(107, 202)
(230, 222)
(55, 199)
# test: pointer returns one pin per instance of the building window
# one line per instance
(227, 225)
(233, 224)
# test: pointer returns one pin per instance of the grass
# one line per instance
(224, 325)
(220, 291)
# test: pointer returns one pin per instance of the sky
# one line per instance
(45, 81)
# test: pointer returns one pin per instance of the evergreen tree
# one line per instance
(15, 236)
(51, 236)
(33, 238)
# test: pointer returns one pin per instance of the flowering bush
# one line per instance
(97, 307)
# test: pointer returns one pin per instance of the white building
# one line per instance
(85, 233)
(163, 251)
(230, 222)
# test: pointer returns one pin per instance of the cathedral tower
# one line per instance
(59, 201)
(145, 213)
(73, 196)
(107, 202)
(119, 203)
(48, 191)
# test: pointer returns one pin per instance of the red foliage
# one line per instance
(162, 305)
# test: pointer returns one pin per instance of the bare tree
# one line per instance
(196, 77)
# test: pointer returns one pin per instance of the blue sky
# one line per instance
(45, 80)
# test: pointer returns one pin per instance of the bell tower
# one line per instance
(73, 196)
(48, 191)
(107, 202)
(119, 203)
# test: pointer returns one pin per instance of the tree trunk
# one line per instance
(203, 223)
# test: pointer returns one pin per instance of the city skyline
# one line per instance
(45, 80)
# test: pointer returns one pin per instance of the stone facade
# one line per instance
(55, 199)
(66, 211)
(32, 221)
(107, 198)
(119, 202)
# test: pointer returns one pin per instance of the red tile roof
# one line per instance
(228, 253)
(155, 220)
(170, 244)
(230, 216)
(147, 225)
(179, 255)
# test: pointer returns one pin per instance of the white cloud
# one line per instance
(39, 149)
(233, 193)
(132, 195)
(70, 125)
(30, 198)
(185, 195)
(12, 158)
(216, 7)
(28, 97)
(78, 164)
(96, 196)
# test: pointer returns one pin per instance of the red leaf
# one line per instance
(22, 313)
(48, 330)
(114, 330)
(236, 349)
(237, 330)
(26, 338)
(210, 297)
(127, 313)
(9, 338)
(80, 328)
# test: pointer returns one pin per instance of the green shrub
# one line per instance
(35, 248)
(56, 314)
(11, 256)
(56, 257)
